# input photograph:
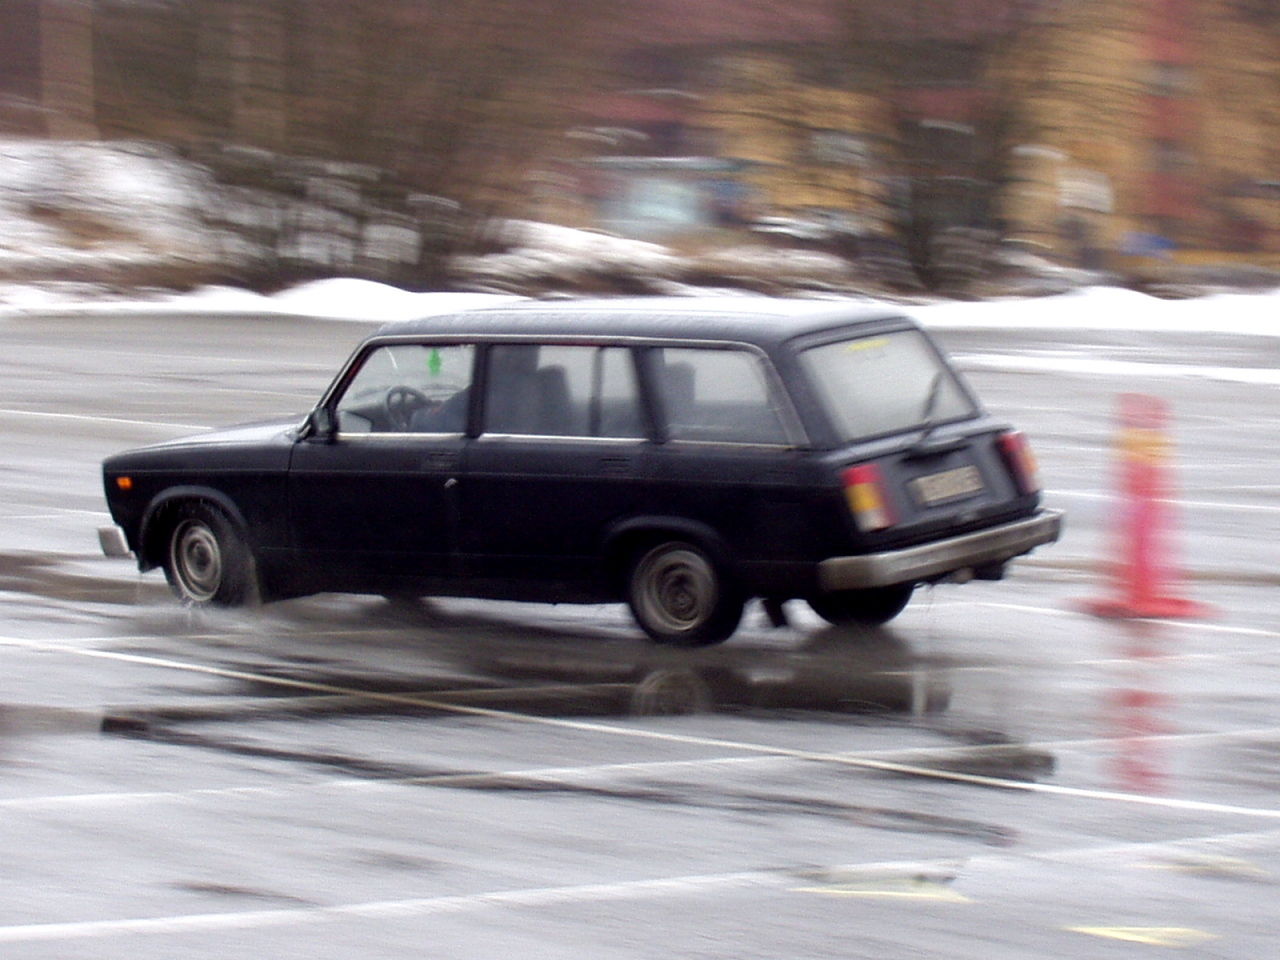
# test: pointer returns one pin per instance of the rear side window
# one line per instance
(718, 395)
(884, 384)
(555, 390)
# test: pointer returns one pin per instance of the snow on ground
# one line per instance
(544, 251)
(70, 200)
(1254, 376)
(74, 203)
(340, 299)
(1107, 308)
(335, 299)
(1104, 308)
(91, 203)
(1098, 308)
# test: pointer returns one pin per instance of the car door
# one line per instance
(732, 459)
(554, 465)
(373, 503)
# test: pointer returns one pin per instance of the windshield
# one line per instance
(883, 384)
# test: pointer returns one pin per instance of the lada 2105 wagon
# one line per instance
(681, 455)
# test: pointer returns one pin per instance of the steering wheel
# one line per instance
(401, 404)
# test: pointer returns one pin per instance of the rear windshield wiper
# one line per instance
(929, 421)
(928, 416)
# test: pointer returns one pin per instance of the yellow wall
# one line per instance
(1084, 77)
(763, 114)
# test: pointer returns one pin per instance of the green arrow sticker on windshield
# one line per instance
(434, 363)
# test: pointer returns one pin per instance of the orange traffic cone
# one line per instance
(1144, 574)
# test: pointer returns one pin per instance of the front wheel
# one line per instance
(206, 561)
(871, 606)
(679, 596)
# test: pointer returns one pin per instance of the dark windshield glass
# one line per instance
(884, 384)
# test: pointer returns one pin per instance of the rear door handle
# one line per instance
(616, 466)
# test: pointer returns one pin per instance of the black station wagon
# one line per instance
(683, 456)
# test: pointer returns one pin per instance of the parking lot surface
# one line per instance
(997, 774)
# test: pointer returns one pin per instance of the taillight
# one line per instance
(864, 489)
(1020, 461)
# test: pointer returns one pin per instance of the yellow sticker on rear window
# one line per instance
(857, 345)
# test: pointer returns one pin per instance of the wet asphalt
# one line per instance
(996, 774)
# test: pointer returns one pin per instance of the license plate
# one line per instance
(948, 485)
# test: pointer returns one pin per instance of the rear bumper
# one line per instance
(930, 561)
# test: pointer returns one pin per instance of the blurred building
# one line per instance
(1084, 129)
(1147, 131)
(813, 120)
(46, 68)
(1100, 132)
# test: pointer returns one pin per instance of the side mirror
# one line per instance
(320, 426)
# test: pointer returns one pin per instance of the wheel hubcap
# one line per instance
(681, 589)
(197, 560)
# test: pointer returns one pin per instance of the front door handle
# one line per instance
(440, 460)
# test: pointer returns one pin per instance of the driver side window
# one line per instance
(409, 388)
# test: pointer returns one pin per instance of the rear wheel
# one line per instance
(206, 561)
(679, 596)
(873, 605)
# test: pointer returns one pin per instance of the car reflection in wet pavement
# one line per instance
(332, 657)
(424, 659)
(468, 661)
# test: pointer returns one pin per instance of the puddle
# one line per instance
(870, 672)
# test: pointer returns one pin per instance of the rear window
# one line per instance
(884, 384)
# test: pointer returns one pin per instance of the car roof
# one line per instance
(762, 321)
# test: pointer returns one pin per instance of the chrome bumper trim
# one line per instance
(113, 542)
(929, 561)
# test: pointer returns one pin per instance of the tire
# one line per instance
(871, 606)
(670, 693)
(206, 561)
(679, 596)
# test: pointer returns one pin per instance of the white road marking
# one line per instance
(59, 512)
(603, 770)
(386, 909)
(1252, 487)
(637, 733)
(51, 516)
(85, 418)
(1177, 502)
(567, 895)
(219, 363)
(1198, 625)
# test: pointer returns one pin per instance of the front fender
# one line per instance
(151, 529)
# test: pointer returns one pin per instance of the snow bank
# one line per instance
(1098, 308)
(1107, 308)
(337, 299)
(366, 300)
(63, 201)
(542, 251)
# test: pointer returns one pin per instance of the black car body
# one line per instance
(682, 455)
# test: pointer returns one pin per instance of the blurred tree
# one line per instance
(885, 126)
(447, 100)
(66, 67)
(950, 122)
